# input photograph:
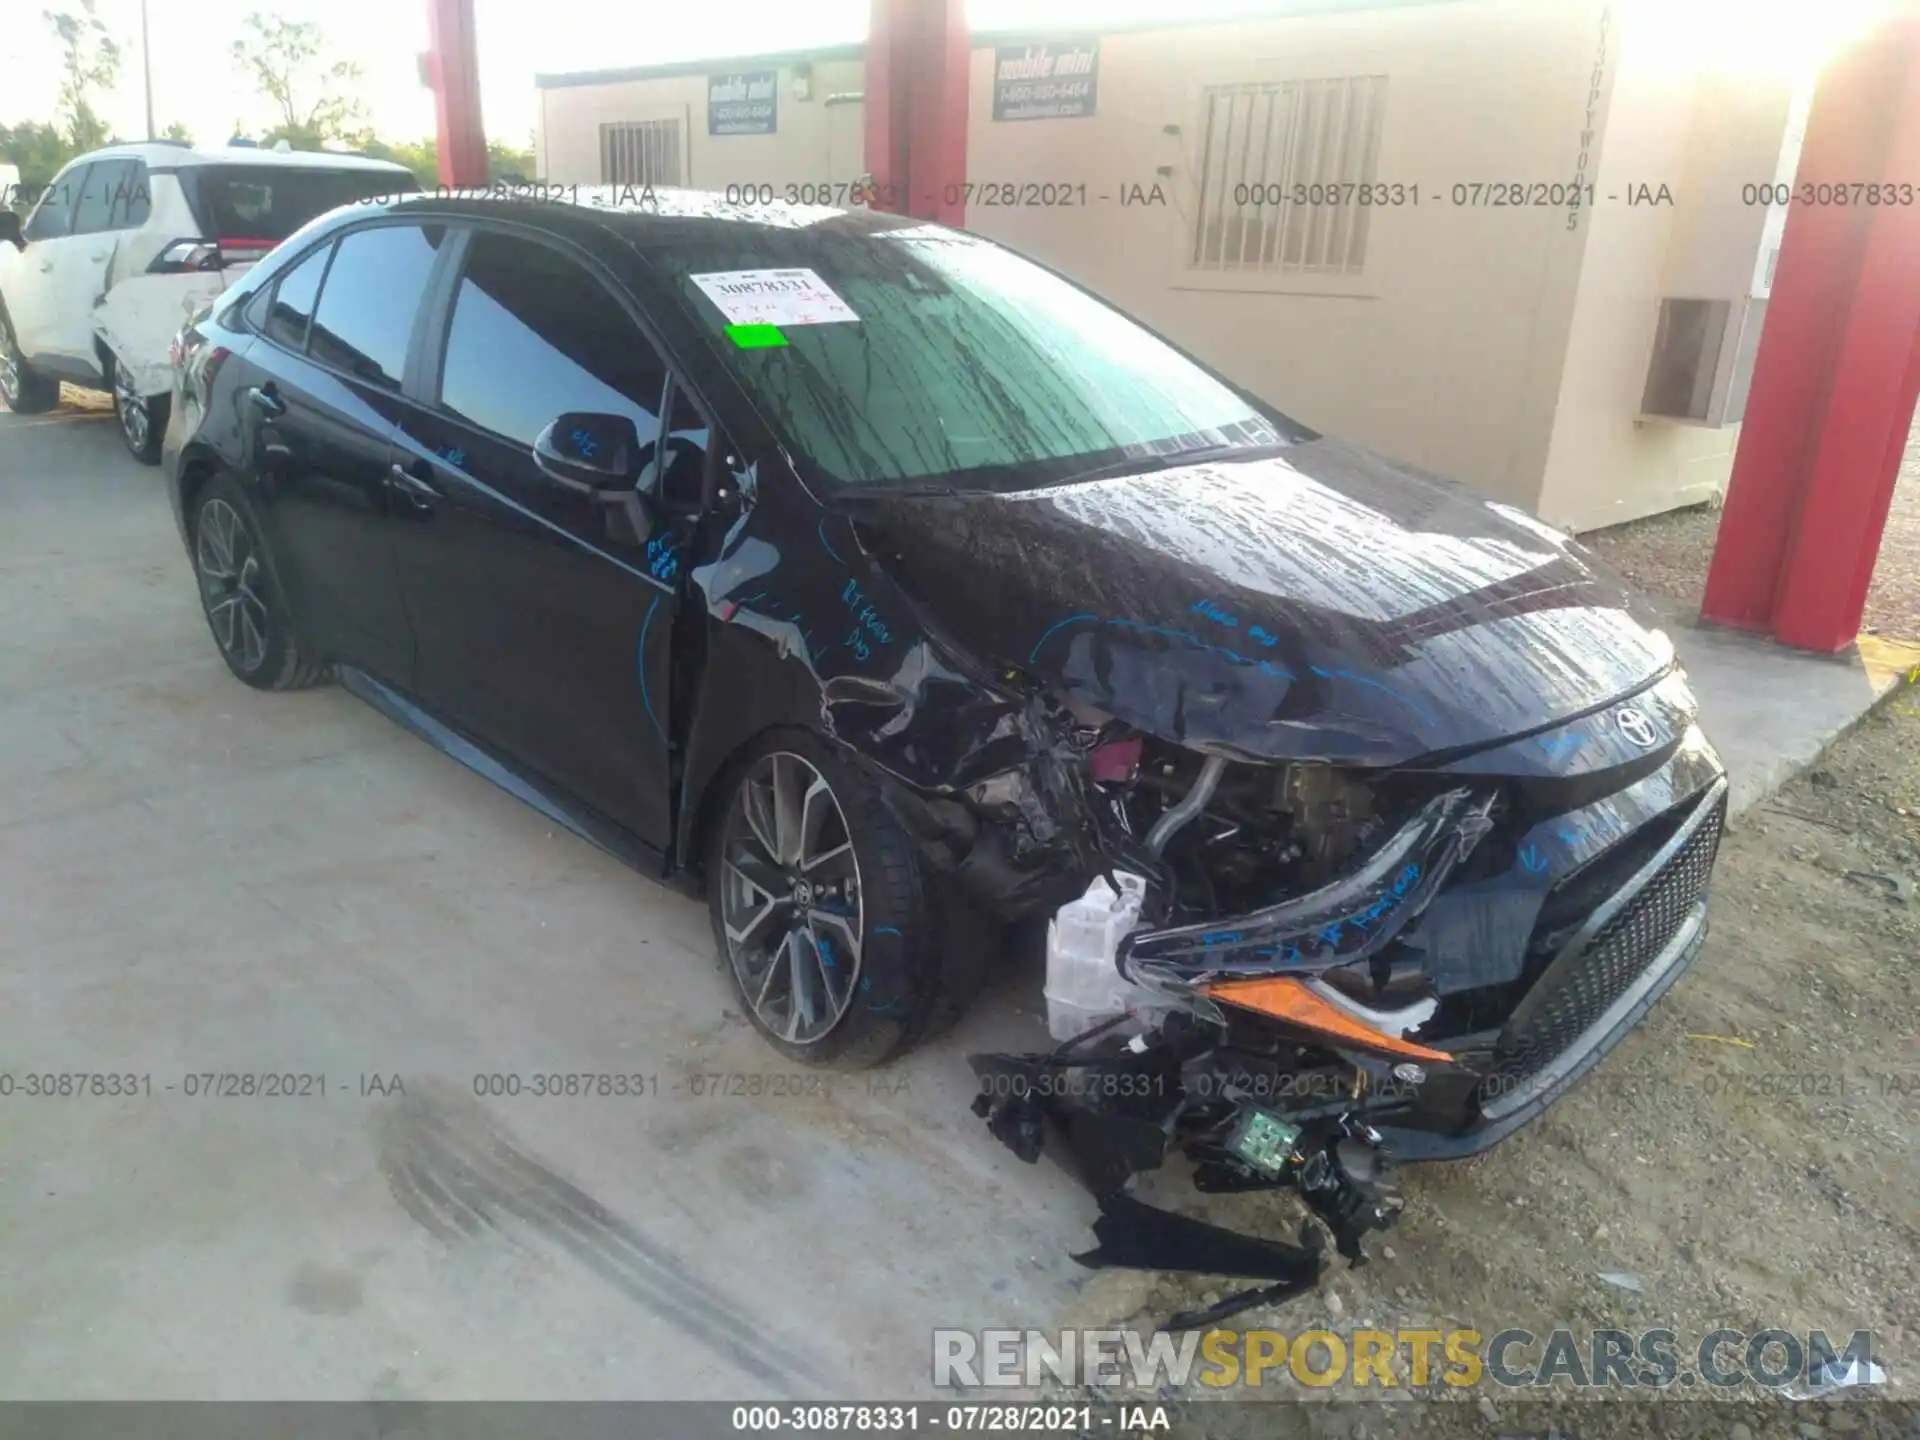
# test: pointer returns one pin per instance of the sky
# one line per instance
(195, 81)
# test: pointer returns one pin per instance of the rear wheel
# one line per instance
(842, 949)
(241, 595)
(143, 419)
(25, 391)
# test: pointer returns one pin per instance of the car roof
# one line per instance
(160, 154)
(652, 217)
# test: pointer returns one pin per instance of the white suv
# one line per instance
(127, 242)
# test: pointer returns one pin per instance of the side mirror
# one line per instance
(10, 228)
(589, 453)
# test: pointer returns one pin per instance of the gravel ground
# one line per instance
(1668, 555)
(1748, 1157)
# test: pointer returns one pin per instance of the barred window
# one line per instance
(1281, 167)
(640, 152)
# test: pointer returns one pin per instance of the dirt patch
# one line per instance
(1667, 555)
(1748, 1157)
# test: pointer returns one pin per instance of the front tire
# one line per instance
(241, 596)
(143, 419)
(843, 949)
(25, 391)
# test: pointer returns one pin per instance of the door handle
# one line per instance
(267, 401)
(415, 489)
(45, 265)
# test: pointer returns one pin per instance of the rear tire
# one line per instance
(25, 391)
(240, 593)
(143, 419)
(844, 949)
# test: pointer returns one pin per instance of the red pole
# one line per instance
(918, 58)
(454, 66)
(1837, 373)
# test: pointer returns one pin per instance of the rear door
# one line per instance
(545, 616)
(321, 411)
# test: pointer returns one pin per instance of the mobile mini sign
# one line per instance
(743, 103)
(1046, 80)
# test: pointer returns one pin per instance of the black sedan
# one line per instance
(890, 589)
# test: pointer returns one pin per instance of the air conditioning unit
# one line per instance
(1722, 249)
(1702, 361)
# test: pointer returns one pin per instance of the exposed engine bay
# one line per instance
(1248, 1005)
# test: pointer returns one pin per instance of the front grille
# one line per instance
(1579, 987)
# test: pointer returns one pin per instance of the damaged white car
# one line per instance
(127, 242)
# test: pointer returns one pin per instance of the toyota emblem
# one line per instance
(1636, 727)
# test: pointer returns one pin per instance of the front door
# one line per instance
(80, 275)
(33, 291)
(544, 615)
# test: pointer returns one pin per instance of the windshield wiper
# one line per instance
(1172, 460)
(1135, 465)
(880, 490)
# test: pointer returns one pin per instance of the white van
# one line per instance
(128, 241)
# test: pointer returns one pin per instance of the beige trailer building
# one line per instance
(1512, 241)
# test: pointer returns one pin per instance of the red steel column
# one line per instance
(918, 57)
(1838, 370)
(453, 61)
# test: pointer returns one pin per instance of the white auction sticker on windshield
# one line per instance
(773, 297)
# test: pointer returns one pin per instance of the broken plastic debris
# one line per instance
(1623, 1281)
(1839, 1373)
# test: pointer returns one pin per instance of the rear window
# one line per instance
(245, 202)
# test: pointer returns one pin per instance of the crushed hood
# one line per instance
(1323, 602)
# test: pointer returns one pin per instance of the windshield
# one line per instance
(966, 363)
(271, 202)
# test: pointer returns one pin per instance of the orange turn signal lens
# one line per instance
(1295, 1002)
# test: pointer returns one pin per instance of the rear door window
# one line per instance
(270, 202)
(93, 210)
(285, 311)
(372, 293)
(132, 200)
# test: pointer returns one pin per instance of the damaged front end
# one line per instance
(1229, 1043)
(1344, 858)
(1295, 1043)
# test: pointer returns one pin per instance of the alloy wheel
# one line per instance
(790, 898)
(228, 564)
(132, 409)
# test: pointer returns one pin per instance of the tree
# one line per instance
(39, 149)
(179, 132)
(504, 163)
(286, 59)
(89, 62)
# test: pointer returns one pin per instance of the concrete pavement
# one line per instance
(199, 880)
